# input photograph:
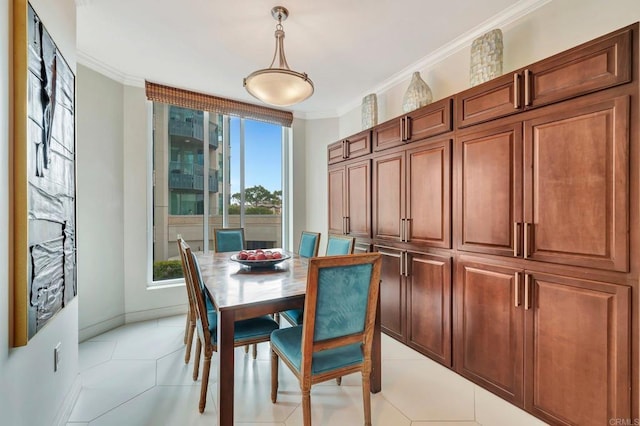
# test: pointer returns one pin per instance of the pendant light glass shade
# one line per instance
(279, 85)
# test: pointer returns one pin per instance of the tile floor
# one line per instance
(136, 375)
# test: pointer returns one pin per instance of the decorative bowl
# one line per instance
(264, 263)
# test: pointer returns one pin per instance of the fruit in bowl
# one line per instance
(259, 257)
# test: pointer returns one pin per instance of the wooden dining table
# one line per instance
(240, 292)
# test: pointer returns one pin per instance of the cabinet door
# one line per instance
(388, 196)
(392, 293)
(358, 145)
(429, 305)
(336, 152)
(428, 191)
(599, 64)
(358, 197)
(388, 135)
(496, 98)
(578, 351)
(489, 328)
(430, 120)
(336, 188)
(576, 183)
(489, 189)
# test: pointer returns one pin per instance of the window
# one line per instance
(212, 171)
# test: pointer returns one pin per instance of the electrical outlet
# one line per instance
(56, 357)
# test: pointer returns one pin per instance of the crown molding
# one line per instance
(503, 19)
(108, 71)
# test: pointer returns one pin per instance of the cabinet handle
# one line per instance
(407, 230)
(344, 223)
(348, 224)
(344, 151)
(516, 302)
(525, 249)
(516, 90)
(406, 264)
(527, 100)
(347, 150)
(526, 291)
(407, 128)
(516, 238)
(402, 129)
(401, 264)
(402, 230)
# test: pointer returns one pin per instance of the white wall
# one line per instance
(550, 29)
(140, 302)
(31, 393)
(318, 134)
(100, 202)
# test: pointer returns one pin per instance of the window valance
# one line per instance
(200, 101)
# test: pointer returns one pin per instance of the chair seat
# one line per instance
(294, 316)
(289, 342)
(248, 329)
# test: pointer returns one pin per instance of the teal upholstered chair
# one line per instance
(249, 331)
(192, 312)
(337, 334)
(339, 244)
(228, 239)
(309, 245)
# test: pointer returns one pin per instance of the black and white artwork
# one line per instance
(51, 188)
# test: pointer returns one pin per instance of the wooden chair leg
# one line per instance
(186, 327)
(306, 406)
(339, 380)
(274, 376)
(189, 342)
(205, 382)
(255, 351)
(366, 397)
(196, 362)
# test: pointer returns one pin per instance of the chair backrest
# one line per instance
(228, 239)
(196, 287)
(340, 304)
(182, 246)
(339, 244)
(309, 244)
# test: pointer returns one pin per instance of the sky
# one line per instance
(263, 155)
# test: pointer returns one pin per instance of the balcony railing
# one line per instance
(191, 176)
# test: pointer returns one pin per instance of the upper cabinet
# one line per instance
(352, 147)
(554, 187)
(430, 120)
(597, 65)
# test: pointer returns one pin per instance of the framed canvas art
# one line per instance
(43, 177)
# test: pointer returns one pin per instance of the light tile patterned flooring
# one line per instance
(136, 375)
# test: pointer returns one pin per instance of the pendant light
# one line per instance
(279, 85)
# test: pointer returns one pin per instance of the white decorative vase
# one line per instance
(369, 111)
(418, 94)
(486, 57)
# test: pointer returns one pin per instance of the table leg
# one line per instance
(376, 354)
(226, 321)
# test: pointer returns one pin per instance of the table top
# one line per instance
(232, 285)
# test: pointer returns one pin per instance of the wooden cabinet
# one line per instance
(350, 198)
(415, 300)
(562, 342)
(600, 64)
(430, 120)
(412, 193)
(352, 147)
(552, 188)
(489, 328)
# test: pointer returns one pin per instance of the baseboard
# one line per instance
(155, 313)
(101, 327)
(69, 402)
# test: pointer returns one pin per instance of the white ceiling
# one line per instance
(348, 47)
